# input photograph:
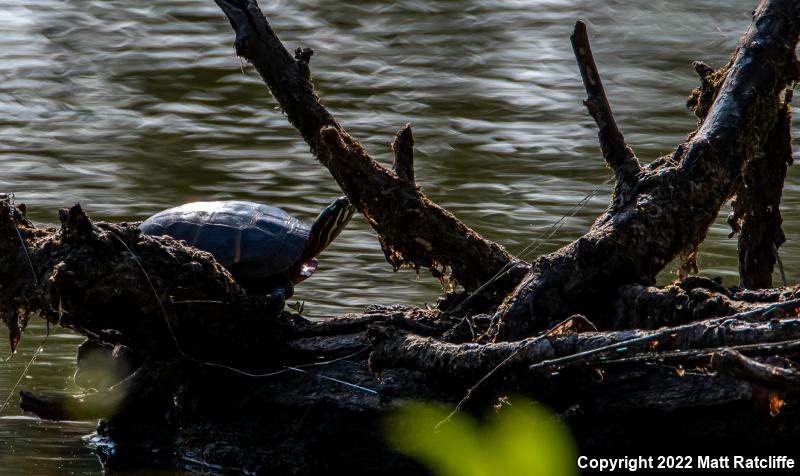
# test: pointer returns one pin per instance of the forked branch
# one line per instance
(674, 201)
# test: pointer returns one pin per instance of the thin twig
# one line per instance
(167, 320)
(39, 349)
(486, 377)
(532, 247)
(22, 241)
(582, 357)
(785, 347)
(36, 353)
(359, 387)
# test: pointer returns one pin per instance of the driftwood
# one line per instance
(673, 201)
(202, 374)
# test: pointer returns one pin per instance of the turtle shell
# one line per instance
(252, 240)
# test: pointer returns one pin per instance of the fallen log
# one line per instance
(395, 348)
(206, 399)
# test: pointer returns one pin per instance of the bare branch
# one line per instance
(733, 363)
(618, 155)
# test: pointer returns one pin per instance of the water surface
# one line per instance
(132, 107)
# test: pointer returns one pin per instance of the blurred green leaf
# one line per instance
(520, 439)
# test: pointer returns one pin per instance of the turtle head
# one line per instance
(330, 222)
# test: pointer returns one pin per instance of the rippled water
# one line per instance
(131, 107)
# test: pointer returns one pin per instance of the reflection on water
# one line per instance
(132, 107)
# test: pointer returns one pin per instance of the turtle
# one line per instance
(265, 249)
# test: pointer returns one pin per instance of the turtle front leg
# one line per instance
(279, 295)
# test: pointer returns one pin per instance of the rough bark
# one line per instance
(767, 375)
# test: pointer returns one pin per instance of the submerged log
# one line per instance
(218, 379)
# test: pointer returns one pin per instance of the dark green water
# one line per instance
(132, 107)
